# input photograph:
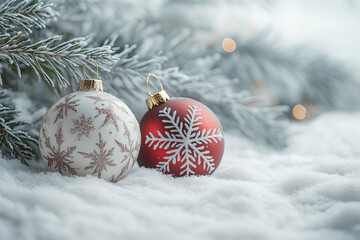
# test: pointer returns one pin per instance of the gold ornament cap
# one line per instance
(157, 98)
(91, 84)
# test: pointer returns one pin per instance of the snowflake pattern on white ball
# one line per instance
(83, 126)
(90, 133)
(62, 108)
(185, 140)
(59, 158)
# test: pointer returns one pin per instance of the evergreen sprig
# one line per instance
(51, 58)
(26, 15)
(15, 142)
(129, 72)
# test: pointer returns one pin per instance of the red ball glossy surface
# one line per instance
(190, 151)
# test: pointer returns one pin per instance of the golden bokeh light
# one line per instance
(299, 112)
(229, 45)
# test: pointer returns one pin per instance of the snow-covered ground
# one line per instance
(311, 190)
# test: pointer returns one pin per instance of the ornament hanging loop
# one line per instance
(147, 83)
(157, 98)
(97, 67)
(93, 84)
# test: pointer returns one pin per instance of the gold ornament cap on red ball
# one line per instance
(91, 84)
(157, 98)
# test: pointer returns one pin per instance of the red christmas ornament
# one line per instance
(180, 137)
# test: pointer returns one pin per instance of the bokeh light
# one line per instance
(229, 45)
(299, 112)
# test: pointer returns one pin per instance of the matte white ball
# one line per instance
(90, 132)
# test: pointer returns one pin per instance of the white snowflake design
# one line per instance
(185, 140)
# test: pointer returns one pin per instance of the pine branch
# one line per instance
(330, 86)
(255, 120)
(259, 60)
(51, 58)
(14, 142)
(25, 15)
(308, 77)
(129, 72)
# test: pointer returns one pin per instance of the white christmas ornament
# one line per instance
(90, 132)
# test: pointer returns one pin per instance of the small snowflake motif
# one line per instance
(109, 112)
(101, 159)
(82, 127)
(59, 159)
(62, 108)
(186, 141)
(129, 157)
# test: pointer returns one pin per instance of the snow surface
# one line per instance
(311, 190)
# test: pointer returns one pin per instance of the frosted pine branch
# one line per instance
(24, 15)
(51, 59)
(261, 124)
(330, 86)
(14, 142)
(129, 72)
(309, 77)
